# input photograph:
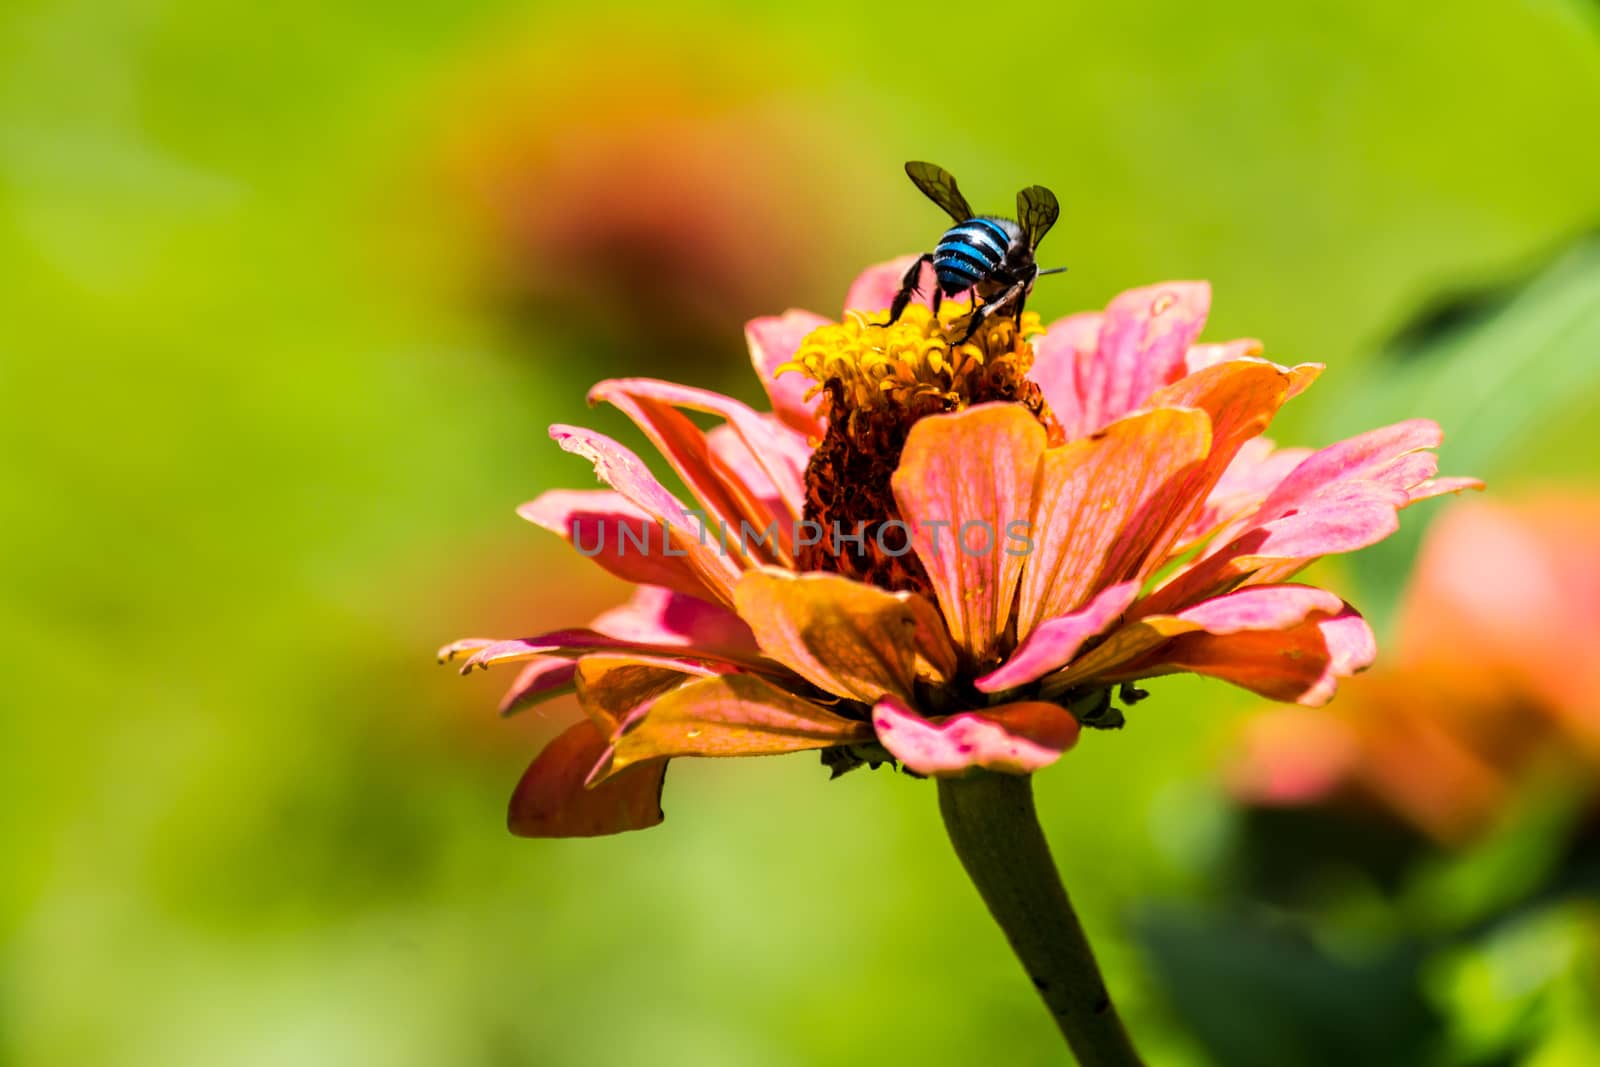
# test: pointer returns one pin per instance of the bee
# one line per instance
(986, 254)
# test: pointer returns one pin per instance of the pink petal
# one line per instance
(1342, 498)
(1267, 607)
(971, 559)
(773, 342)
(542, 679)
(877, 286)
(1371, 456)
(1055, 641)
(1301, 663)
(660, 617)
(620, 537)
(1255, 471)
(1133, 650)
(1286, 642)
(619, 468)
(1010, 738)
(731, 715)
(1063, 361)
(551, 801)
(1101, 506)
(1442, 487)
(1240, 397)
(776, 448)
(849, 638)
(1143, 341)
(781, 497)
(780, 453)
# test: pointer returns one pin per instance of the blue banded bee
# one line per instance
(987, 254)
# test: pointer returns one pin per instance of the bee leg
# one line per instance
(981, 315)
(908, 288)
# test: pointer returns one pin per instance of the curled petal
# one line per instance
(1103, 504)
(551, 801)
(849, 638)
(877, 286)
(730, 715)
(773, 341)
(946, 496)
(1055, 641)
(625, 541)
(1010, 738)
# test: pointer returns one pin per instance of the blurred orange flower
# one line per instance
(1496, 679)
(946, 553)
(611, 181)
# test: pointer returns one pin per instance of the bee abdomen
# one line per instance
(968, 253)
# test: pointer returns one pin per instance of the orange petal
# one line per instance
(1102, 505)
(1010, 738)
(847, 637)
(1240, 397)
(551, 801)
(964, 479)
(731, 715)
(611, 688)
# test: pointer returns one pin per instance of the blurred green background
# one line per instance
(288, 295)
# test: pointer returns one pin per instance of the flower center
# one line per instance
(874, 382)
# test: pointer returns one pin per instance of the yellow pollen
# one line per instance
(914, 364)
(873, 382)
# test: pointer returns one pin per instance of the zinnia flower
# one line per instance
(949, 555)
(1495, 683)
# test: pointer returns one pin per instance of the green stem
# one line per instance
(995, 831)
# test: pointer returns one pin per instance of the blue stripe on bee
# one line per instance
(979, 242)
(995, 228)
(981, 233)
(955, 273)
(979, 258)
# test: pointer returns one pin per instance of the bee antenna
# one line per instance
(1053, 270)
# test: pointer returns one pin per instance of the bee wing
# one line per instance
(1036, 211)
(938, 185)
